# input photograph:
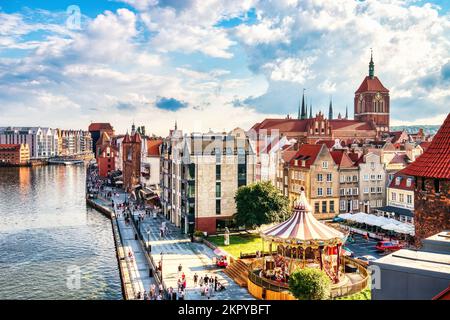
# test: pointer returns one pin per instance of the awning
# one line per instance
(397, 211)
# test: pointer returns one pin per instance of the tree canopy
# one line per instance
(310, 284)
(260, 203)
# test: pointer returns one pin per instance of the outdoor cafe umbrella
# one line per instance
(345, 216)
(389, 227)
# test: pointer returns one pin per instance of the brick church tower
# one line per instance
(131, 159)
(372, 101)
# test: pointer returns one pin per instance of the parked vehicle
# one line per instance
(337, 219)
(366, 259)
(384, 246)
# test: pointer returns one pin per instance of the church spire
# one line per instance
(346, 112)
(310, 111)
(330, 110)
(302, 113)
(371, 65)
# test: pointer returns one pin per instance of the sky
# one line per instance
(212, 64)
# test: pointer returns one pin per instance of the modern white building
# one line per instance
(43, 142)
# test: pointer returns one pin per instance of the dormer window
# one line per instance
(408, 182)
(303, 163)
(296, 162)
(397, 181)
(325, 164)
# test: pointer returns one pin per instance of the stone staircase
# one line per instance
(238, 271)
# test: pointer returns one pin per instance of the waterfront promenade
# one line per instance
(176, 248)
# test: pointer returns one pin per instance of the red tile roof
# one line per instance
(328, 143)
(337, 124)
(401, 158)
(98, 126)
(153, 147)
(373, 85)
(342, 159)
(402, 183)
(435, 161)
(9, 146)
(288, 155)
(283, 125)
(307, 152)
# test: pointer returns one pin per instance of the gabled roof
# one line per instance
(399, 158)
(308, 153)
(283, 125)
(371, 84)
(153, 147)
(342, 159)
(424, 145)
(98, 126)
(435, 161)
(402, 183)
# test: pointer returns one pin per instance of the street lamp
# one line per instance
(161, 261)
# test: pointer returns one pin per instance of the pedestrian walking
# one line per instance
(195, 279)
(215, 283)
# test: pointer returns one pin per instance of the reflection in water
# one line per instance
(47, 233)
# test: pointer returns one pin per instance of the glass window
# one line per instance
(342, 205)
(324, 206)
(342, 191)
(332, 206)
(218, 206)
(409, 199)
(218, 171)
(319, 191)
(325, 164)
(366, 177)
(218, 190)
(319, 177)
(316, 207)
(329, 191)
(329, 177)
(366, 189)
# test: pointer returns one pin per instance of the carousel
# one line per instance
(301, 242)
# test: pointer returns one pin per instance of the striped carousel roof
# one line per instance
(302, 226)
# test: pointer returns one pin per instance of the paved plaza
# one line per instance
(194, 258)
(362, 247)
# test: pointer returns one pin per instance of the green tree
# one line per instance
(310, 284)
(260, 203)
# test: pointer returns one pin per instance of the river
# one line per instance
(52, 246)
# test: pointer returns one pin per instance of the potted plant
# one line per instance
(198, 236)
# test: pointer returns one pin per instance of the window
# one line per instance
(366, 177)
(316, 207)
(379, 203)
(303, 163)
(355, 178)
(408, 182)
(324, 206)
(342, 179)
(342, 192)
(218, 190)
(379, 190)
(355, 191)
(372, 190)
(397, 181)
(329, 177)
(325, 164)
(409, 199)
(355, 205)
(394, 196)
(218, 206)
(329, 191)
(342, 205)
(379, 177)
(401, 197)
(437, 188)
(366, 190)
(349, 179)
(319, 191)
(372, 165)
(332, 206)
(349, 191)
(218, 171)
(319, 177)
(372, 177)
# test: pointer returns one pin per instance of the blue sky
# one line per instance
(215, 64)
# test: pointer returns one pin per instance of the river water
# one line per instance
(51, 245)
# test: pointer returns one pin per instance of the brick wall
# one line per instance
(206, 224)
(432, 211)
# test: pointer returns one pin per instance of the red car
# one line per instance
(388, 246)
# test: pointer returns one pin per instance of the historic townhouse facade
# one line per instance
(312, 169)
(372, 182)
(348, 182)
